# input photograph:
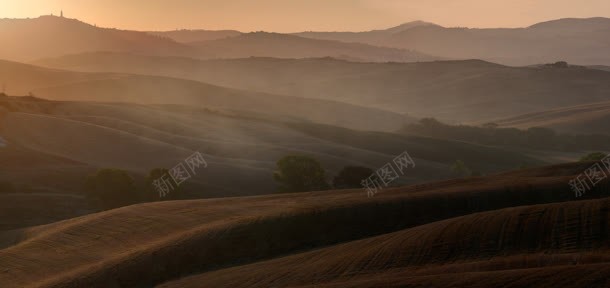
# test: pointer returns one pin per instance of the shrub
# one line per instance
(460, 168)
(298, 173)
(595, 156)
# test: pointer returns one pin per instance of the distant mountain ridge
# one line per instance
(52, 36)
(48, 36)
(264, 44)
(190, 36)
(579, 41)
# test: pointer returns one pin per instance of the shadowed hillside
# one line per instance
(21, 79)
(218, 237)
(262, 44)
(463, 91)
(190, 36)
(143, 137)
(524, 246)
(582, 119)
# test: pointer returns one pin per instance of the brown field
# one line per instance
(511, 228)
(97, 127)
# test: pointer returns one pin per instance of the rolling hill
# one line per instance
(520, 226)
(263, 44)
(60, 36)
(582, 119)
(454, 91)
(241, 150)
(579, 41)
(21, 79)
(190, 36)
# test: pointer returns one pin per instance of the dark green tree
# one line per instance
(113, 188)
(297, 173)
(595, 156)
(351, 177)
(460, 168)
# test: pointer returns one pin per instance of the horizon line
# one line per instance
(308, 31)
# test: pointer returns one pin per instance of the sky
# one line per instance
(304, 15)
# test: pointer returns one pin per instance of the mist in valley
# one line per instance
(414, 155)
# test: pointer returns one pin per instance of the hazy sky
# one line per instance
(304, 15)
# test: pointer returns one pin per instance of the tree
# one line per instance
(351, 177)
(595, 156)
(298, 173)
(430, 122)
(491, 125)
(112, 187)
(460, 168)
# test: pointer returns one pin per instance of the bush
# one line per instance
(112, 187)
(351, 177)
(460, 169)
(299, 174)
(595, 156)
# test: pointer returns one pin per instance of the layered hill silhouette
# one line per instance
(463, 91)
(520, 228)
(21, 79)
(191, 36)
(263, 44)
(60, 36)
(241, 150)
(581, 41)
(582, 119)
